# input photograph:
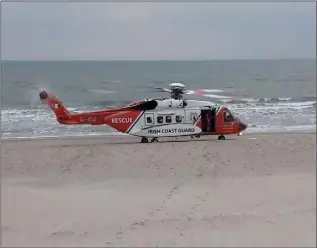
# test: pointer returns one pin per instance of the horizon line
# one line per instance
(147, 60)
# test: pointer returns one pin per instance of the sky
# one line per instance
(157, 30)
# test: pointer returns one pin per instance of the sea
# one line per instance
(268, 95)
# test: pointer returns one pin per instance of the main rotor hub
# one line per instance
(177, 90)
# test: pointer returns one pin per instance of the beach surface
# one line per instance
(254, 190)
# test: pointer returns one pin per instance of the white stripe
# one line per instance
(137, 119)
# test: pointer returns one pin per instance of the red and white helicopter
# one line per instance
(154, 118)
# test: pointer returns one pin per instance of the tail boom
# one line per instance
(63, 116)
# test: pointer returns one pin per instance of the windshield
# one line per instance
(228, 117)
(233, 116)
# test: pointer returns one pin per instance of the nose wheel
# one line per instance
(195, 136)
(221, 137)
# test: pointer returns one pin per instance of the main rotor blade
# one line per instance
(155, 89)
(206, 93)
(175, 81)
(101, 91)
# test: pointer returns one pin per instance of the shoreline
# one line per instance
(127, 136)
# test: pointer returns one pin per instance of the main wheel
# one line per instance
(154, 140)
(144, 140)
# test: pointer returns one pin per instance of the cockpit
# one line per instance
(228, 116)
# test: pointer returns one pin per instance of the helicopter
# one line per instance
(155, 118)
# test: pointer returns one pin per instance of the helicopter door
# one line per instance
(149, 119)
(191, 116)
(208, 120)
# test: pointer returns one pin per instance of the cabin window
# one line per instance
(228, 117)
(148, 120)
(179, 118)
(193, 117)
(168, 119)
(159, 119)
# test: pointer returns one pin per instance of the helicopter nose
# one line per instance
(242, 126)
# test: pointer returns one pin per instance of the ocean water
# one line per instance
(269, 95)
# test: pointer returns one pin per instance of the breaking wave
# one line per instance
(266, 116)
(268, 100)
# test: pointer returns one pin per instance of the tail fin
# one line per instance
(56, 105)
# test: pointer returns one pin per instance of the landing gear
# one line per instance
(144, 140)
(221, 137)
(195, 136)
(154, 140)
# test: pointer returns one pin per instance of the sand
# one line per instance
(251, 191)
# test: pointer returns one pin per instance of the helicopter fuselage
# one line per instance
(171, 118)
(153, 118)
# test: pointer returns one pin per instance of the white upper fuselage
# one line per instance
(170, 118)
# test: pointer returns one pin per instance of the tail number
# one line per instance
(122, 120)
(88, 119)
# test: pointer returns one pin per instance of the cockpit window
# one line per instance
(228, 117)
(234, 117)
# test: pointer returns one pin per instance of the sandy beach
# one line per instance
(251, 191)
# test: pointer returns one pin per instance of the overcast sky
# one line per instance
(136, 30)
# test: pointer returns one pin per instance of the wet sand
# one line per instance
(254, 190)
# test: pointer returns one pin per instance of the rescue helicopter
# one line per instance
(155, 118)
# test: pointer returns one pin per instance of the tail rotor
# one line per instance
(49, 98)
